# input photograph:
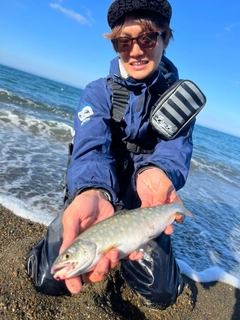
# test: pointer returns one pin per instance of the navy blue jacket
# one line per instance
(96, 163)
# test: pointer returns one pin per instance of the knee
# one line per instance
(39, 270)
(164, 297)
(160, 300)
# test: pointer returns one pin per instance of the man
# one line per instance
(123, 163)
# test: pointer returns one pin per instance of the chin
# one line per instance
(141, 75)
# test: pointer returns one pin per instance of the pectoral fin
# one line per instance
(105, 251)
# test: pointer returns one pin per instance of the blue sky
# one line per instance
(63, 40)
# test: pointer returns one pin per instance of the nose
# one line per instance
(136, 50)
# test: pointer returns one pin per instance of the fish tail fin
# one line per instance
(186, 211)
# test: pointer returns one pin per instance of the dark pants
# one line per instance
(156, 277)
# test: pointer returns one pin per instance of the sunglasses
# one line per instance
(146, 40)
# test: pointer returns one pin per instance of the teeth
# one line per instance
(138, 63)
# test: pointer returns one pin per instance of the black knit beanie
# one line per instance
(119, 8)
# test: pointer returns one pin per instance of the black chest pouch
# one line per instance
(176, 108)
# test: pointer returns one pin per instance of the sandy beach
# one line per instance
(111, 299)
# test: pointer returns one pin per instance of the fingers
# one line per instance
(169, 230)
(136, 255)
(74, 285)
(113, 256)
(179, 219)
(99, 273)
(173, 197)
(177, 199)
(107, 263)
(103, 267)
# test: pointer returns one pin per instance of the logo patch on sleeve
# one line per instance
(85, 113)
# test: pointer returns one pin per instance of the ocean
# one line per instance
(36, 118)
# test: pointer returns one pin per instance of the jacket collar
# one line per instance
(167, 72)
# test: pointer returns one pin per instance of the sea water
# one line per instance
(36, 118)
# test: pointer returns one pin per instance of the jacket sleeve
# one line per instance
(173, 157)
(92, 164)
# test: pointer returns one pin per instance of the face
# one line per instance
(140, 63)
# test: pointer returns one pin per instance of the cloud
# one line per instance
(70, 13)
(229, 28)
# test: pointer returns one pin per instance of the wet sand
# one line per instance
(111, 299)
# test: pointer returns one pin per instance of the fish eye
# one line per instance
(67, 256)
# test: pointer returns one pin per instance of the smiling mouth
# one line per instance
(139, 63)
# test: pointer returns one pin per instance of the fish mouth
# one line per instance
(63, 271)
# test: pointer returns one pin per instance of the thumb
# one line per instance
(145, 203)
(68, 237)
(176, 198)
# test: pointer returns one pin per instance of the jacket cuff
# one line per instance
(105, 192)
(152, 166)
(145, 168)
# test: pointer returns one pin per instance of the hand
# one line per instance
(87, 209)
(154, 187)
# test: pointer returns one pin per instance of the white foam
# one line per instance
(8, 93)
(209, 275)
(224, 173)
(48, 128)
(19, 208)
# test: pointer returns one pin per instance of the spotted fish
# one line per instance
(127, 231)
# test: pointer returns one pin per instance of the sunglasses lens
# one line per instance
(123, 44)
(146, 40)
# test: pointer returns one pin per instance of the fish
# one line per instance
(127, 230)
